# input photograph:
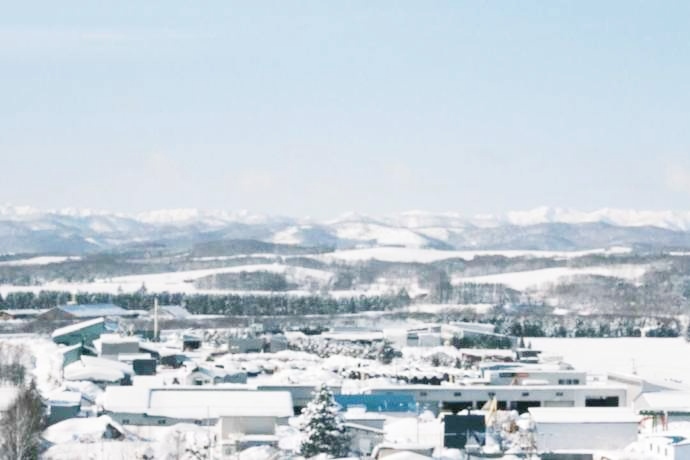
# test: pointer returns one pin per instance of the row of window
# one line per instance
(568, 381)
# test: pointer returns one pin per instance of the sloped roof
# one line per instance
(76, 327)
(94, 310)
(176, 311)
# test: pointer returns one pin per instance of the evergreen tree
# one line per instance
(323, 427)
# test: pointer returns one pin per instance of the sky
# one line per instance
(312, 108)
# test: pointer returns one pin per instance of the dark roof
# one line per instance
(94, 310)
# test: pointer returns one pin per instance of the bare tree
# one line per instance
(21, 426)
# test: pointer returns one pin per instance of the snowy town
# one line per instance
(113, 383)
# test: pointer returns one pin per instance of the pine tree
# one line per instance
(323, 427)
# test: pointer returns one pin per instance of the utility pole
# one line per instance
(155, 319)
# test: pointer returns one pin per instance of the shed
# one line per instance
(675, 405)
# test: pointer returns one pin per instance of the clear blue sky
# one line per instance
(315, 108)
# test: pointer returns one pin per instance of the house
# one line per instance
(81, 333)
(206, 375)
(238, 410)
(86, 311)
(591, 428)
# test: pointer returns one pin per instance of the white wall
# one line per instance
(558, 436)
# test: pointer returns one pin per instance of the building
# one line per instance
(277, 342)
(672, 406)
(81, 333)
(63, 405)
(379, 403)
(514, 397)
(301, 394)
(460, 429)
(87, 311)
(173, 312)
(245, 344)
(21, 313)
(190, 342)
(112, 345)
(239, 410)
(668, 446)
(526, 376)
(206, 375)
(573, 429)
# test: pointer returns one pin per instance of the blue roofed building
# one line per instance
(87, 311)
(381, 403)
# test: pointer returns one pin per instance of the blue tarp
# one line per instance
(379, 403)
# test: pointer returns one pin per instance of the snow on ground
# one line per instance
(408, 254)
(536, 278)
(425, 430)
(439, 308)
(43, 260)
(651, 358)
(44, 360)
(182, 281)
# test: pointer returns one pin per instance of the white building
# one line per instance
(589, 428)
(673, 406)
(237, 409)
(665, 446)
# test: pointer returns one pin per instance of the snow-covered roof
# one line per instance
(176, 311)
(666, 401)
(7, 395)
(76, 327)
(117, 338)
(94, 310)
(65, 398)
(583, 415)
(193, 402)
(24, 311)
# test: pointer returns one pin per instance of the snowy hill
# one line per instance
(79, 231)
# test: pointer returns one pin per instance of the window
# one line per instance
(576, 382)
(422, 393)
(525, 394)
(125, 421)
(457, 393)
(568, 382)
(491, 394)
(161, 422)
(561, 382)
(559, 393)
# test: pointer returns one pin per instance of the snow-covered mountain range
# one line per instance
(74, 231)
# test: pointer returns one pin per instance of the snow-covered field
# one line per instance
(181, 281)
(651, 358)
(42, 260)
(408, 254)
(536, 278)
